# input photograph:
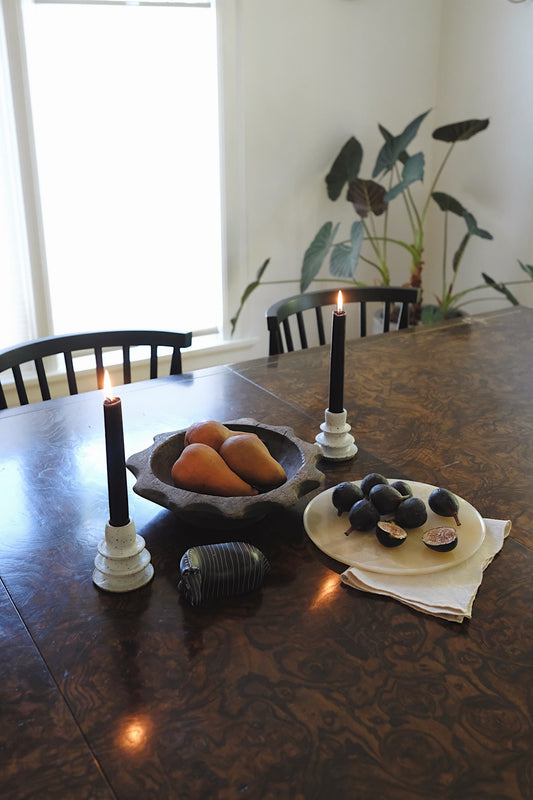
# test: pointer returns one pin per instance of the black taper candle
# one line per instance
(117, 485)
(336, 364)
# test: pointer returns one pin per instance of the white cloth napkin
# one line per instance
(448, 594)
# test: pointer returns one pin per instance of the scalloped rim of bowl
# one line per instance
(204, 509)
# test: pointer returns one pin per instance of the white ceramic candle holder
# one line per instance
(123, 562)
(335, 441)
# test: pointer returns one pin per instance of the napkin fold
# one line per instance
(448, 594)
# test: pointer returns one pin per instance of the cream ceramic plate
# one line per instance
(326, 529)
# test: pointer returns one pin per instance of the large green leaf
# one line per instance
(473, 228)
(460, 131)
(500, 287)
(368, 197)
(448, 203)
(396, 145)
(345, 168)
(413, 171)
(345, 257)
(387, 135)
(247, 292)
(315, 254)
(431, 313)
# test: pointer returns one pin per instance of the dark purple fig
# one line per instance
(412, 513)
(363, 516)
(370, 480)
(444, 503)
(442, 539)
(385, 498)
(389, 534)
(345, 495)
(403, 488)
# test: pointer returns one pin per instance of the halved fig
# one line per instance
(442, 539)
(389, 534)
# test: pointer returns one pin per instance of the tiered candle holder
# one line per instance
(335, 441)
(122, 563)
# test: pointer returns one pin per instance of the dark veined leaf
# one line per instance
(387, 135)
(472, 226)
(345, 257)
(247, 292)
(315, 254)
(528, 269)
(368, 197)
(345, 168)
(393, 147)
(459, 253)
(460, 131)
(448, 203)
(413, 171)
(500, 287)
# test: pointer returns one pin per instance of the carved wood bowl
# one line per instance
(152, 469)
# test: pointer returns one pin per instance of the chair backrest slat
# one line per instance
(386, 318)
(388, 296)
(100, 371)
(362, 319)
(320, 325)
(12, 358)
(288, 336)
(153, 361)
(126, 363)
(175, 363)
(301, 330)
(71, 376)
(41, 377)
(19, 383)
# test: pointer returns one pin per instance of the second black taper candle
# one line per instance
(336, 366)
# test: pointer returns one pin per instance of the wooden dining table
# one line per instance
(305, 688)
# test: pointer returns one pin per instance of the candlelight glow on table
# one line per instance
(335, 441)
(122, 563)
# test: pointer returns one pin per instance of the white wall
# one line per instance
(486, 70)
(310, 73)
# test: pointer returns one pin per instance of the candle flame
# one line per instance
(339, 302)
(108, 389)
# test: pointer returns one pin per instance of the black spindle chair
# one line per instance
(82, 343)
(389, 297)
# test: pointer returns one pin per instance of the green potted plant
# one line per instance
(391, 186)
(394, 174)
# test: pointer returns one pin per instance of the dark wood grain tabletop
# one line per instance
(305, 688)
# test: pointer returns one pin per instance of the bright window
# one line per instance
(125, 117)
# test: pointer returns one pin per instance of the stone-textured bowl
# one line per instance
(152, 468)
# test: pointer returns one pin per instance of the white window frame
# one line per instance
(232, 166)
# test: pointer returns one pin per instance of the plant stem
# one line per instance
(444, 254)
(435, 181)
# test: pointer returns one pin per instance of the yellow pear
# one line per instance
(208, 432)
(250, 458)
(201, 469)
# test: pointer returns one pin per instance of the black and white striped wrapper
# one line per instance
(226, 569)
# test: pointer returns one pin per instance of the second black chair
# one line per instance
(278, 314)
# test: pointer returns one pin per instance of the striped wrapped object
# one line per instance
(226, 569)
